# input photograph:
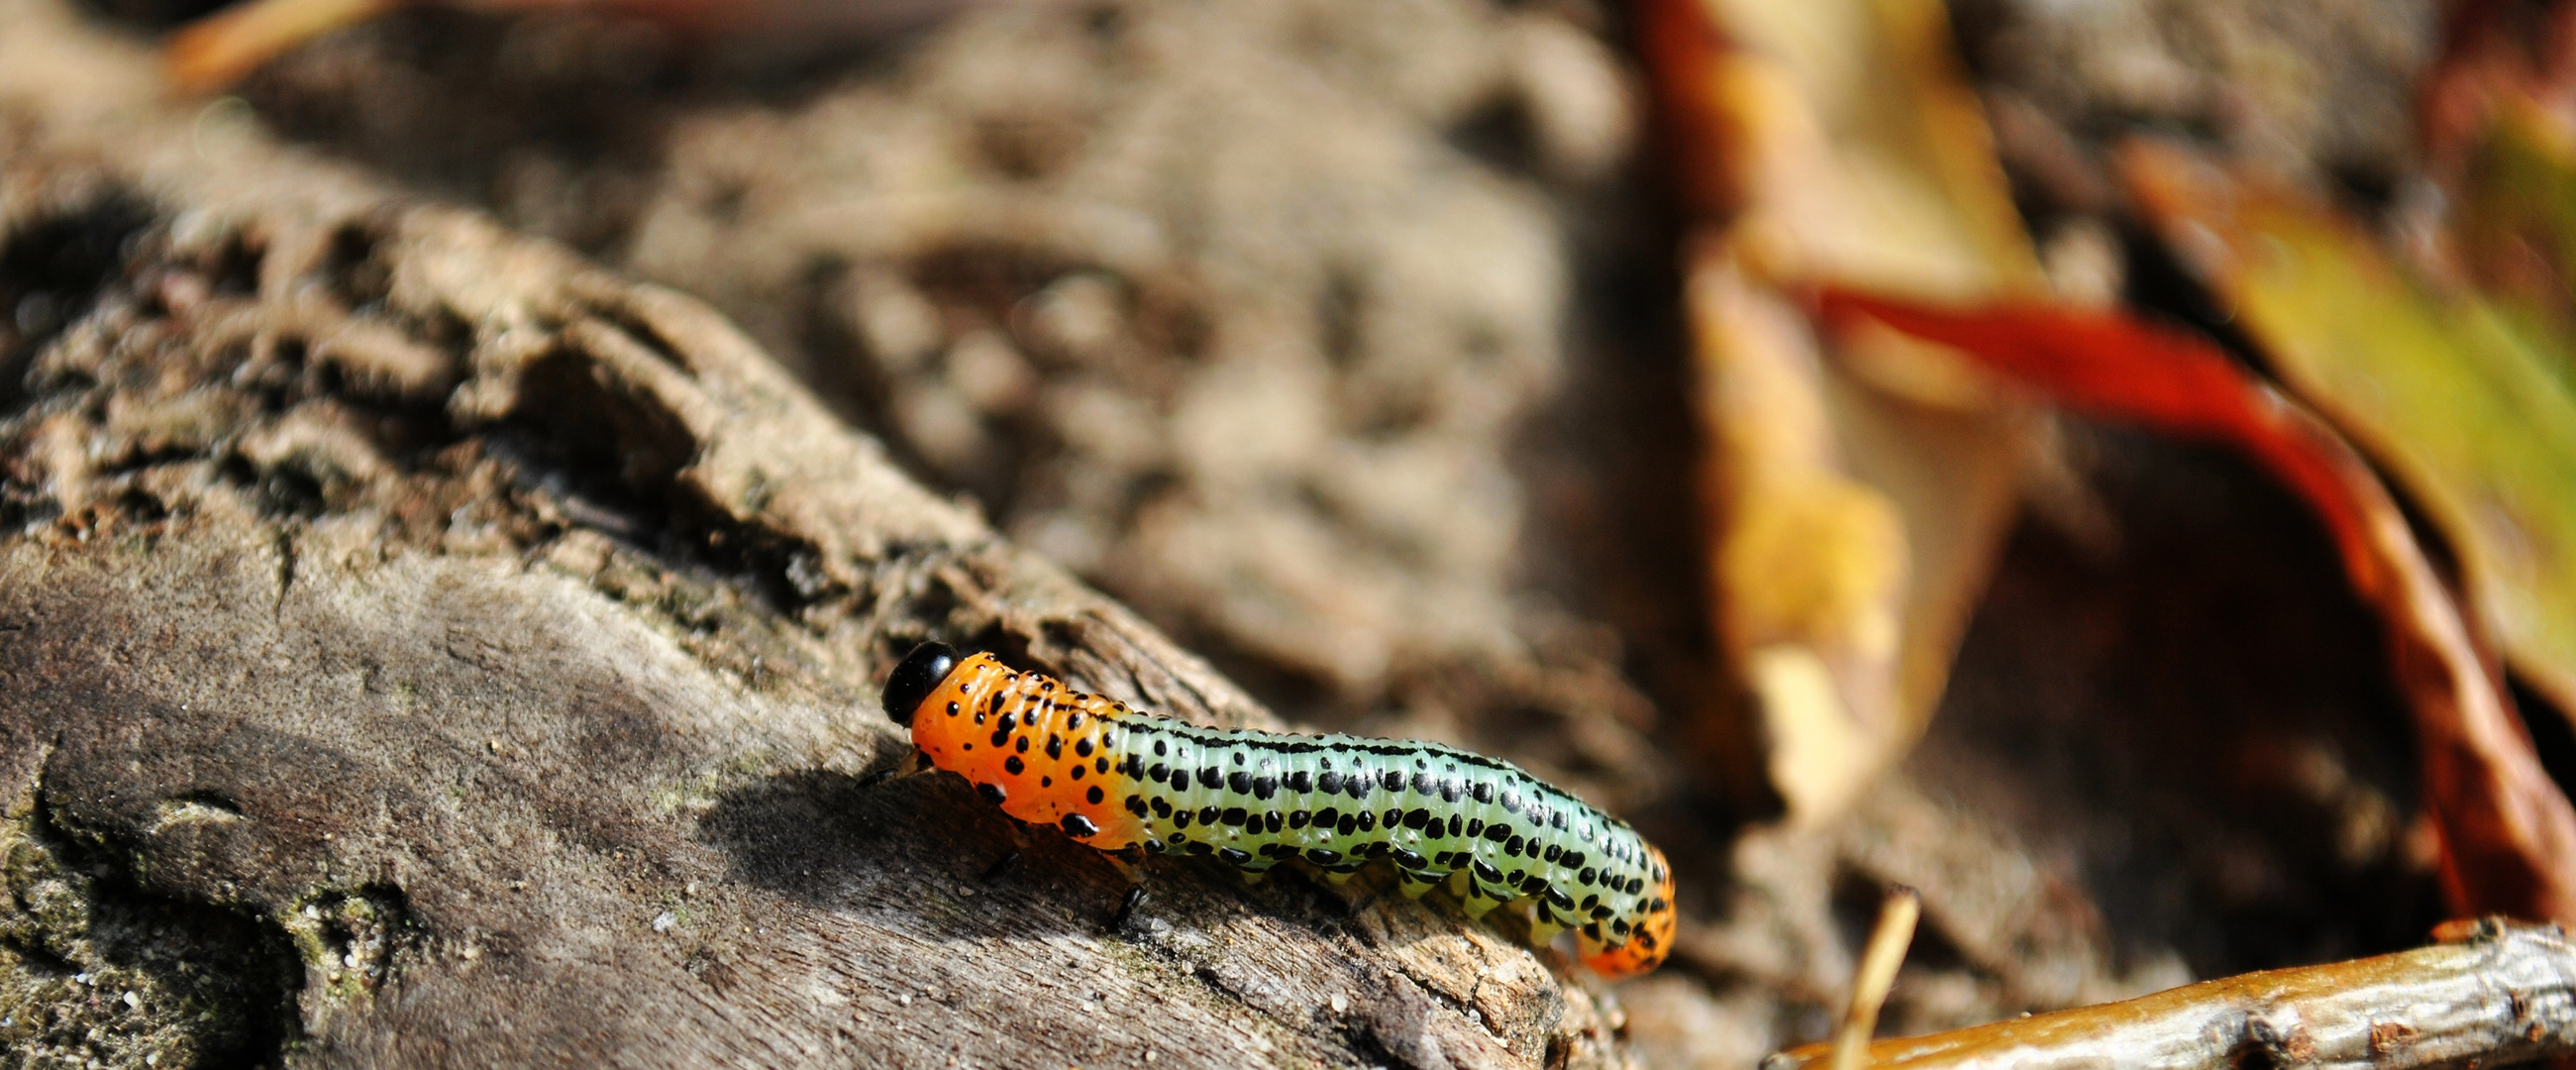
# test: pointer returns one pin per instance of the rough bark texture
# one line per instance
(418, 647)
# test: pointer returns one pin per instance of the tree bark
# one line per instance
(419, 647)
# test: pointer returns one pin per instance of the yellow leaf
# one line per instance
(1862, 485)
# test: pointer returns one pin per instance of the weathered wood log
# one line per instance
(418, 647)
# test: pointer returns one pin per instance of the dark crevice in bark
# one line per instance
(109, 968)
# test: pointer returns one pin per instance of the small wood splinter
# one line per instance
(1877, 973)
(2488, 993)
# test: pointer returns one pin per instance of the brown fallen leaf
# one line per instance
(2508, 832)
(2489, 993)
(1860, 489)
(2470, 403)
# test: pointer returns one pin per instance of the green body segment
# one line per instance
(1493, 833)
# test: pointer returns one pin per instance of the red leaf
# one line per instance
(2509, 835)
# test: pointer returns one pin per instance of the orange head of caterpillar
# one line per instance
(1650, 937)
(1044, 753)
(914, 680)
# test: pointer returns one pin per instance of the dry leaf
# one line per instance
(1861, 490)
(2509, 835)
(2467, 403)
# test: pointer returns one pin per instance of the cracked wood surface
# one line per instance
(418, 647)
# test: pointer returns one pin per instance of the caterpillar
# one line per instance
(1112, 777)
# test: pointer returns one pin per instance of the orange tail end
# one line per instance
(1650, 940)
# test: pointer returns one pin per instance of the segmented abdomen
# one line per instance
(1113, 777)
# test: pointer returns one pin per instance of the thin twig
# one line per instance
(2491, 993)
(1877, 973)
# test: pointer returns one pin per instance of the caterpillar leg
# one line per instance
(1461, 885)
(1472, 896)
(1253, 867)
(1544, 922)
(1127, 905)
(919, 762)
(1413, 883)
(1010, 858)
(1129, 862)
